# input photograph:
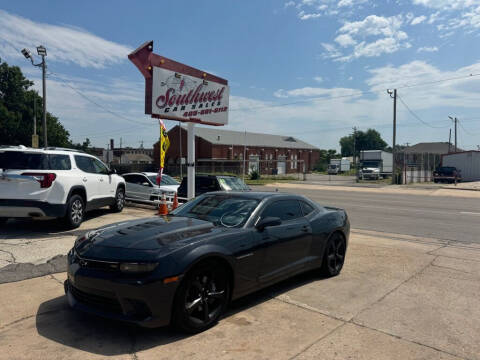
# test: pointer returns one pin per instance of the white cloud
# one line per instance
(427, 49)
(315, 92)
(343, 3)
(64, 44)
(418, 20)
(345, 40)
(447, 4)
(318, 79)
(304, 16)
(357, 36)
(289, 3)
(331, 51)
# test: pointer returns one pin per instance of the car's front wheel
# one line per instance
(75, 212)
(119, 203)
(334, 256)
(201, 298)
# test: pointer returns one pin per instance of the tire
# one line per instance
(334, 255)
(75, 212)
(201, 298)
(119, 200)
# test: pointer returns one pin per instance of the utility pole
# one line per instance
(244, 154)
(449, 140)
(455, 120)
(41, 51)
(394, 97)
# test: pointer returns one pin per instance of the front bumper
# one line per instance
(30, 208)
(143, 301)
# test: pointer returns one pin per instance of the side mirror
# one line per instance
(268, 221)
(112, 171)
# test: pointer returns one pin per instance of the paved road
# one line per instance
(448, 218)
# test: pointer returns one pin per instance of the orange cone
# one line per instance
(175, 202)
(162, 209)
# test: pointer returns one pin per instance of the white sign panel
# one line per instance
(175, 95)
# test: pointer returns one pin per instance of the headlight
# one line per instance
(137, 267)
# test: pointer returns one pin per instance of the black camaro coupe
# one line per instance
(184, 268)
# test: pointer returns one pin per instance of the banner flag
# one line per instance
(164, 145)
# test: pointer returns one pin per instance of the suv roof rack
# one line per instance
(63, 149)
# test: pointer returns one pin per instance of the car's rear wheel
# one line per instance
(119, 201)
(202, 297)
(334, 256)
(75, 211)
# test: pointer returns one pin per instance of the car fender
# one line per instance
(198, 254)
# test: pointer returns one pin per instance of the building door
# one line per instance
(254, 163)
(281, 165)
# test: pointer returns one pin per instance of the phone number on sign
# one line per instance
(205, 111)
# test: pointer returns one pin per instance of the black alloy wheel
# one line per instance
(119, 201)
(334, 257)
(202, 298)
(75, 212)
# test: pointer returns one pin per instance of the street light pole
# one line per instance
(41, 51)
(455, 120)
(44, 83)
(394, 97)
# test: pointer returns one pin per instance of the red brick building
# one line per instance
(271, 154)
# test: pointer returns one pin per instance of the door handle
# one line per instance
(305, 229)
(101, 179)
(84, 179)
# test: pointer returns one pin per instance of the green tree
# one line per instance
(368, 140)
(324, 159)
(16, 112)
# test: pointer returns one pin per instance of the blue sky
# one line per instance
(308, 68)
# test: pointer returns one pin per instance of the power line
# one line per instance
(418, 117)
(97, 104)
(468, 132)
(357, 93)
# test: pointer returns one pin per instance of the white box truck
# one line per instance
(337, 166)
(375, 164)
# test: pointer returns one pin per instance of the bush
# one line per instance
(254, 175)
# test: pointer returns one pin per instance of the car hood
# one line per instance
(152, 235)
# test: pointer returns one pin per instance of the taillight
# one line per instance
(45, 179)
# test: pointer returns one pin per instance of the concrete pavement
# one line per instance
(31, 248)
(398, 297)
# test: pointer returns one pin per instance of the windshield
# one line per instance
(370, 164)
(232, 183)
(221, 209)
(166, 180)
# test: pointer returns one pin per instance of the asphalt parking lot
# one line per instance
(398, 297)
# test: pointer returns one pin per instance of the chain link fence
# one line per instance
(416, 167)
(253, 168)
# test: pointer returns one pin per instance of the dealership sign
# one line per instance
(175, 91)
(184, 96)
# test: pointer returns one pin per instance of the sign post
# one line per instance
(175, 91)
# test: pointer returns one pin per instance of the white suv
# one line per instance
(56, 182)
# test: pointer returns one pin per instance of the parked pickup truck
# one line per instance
(448, 174)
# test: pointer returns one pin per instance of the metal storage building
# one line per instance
(468, 162)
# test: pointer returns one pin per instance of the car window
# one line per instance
(283, 209)
(59, 162)
(136, 179)
(306, 208)
(205, 184)
(19, 160)
(232, 183)
(99, 167)
(85, 163)
(222, 210)
(166, 180)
